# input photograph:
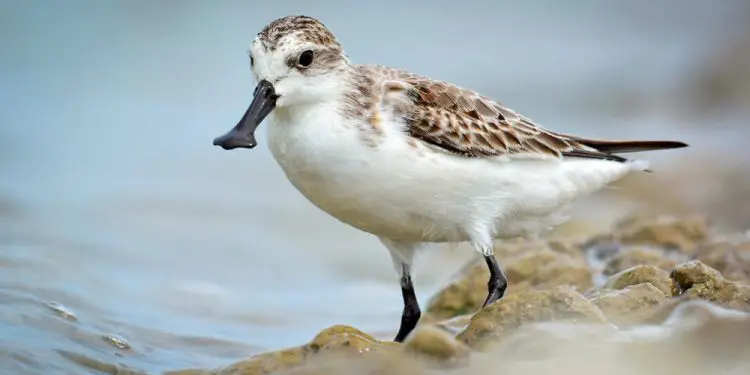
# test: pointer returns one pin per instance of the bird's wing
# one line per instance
(466, 123)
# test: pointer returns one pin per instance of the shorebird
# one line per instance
(414, 160)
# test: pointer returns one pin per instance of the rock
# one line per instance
(657, 277)
(730, 258)
(437, 345)
(377, 363)
(461, 297)
(695, 280)
(266, 363)
(343, 349)
(546, 268)
(685, 347)
(494, 322)
(117, 341)
(63, 311)
(337, 341)
(631, 304)
(532, 267)
(455, 324)
(661, 312)
(426, 346)
(348, 338)
(664, 231)
(635, 256)
(632, 294)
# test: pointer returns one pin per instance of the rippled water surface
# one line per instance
(122, 225)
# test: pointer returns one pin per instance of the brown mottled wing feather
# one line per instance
(463, 122)
(468, 124)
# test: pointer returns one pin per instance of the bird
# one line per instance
(412, 160)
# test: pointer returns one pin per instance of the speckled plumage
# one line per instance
(306, 29)
(413, 160)
(456, 119)
(441, 114)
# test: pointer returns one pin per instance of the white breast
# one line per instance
(403, 190)
(328, 162)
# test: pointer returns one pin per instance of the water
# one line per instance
(115, 205)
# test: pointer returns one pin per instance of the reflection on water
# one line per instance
(115, 206)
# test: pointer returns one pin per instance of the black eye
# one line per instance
(305, 58)
(252, 61)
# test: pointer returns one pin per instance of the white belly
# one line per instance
(415, 194)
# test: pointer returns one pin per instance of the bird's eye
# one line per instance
(252, 61)
(305, 58)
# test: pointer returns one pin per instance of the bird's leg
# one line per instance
(402, 254)
(482, 242)
(411, 314)
(497, 283)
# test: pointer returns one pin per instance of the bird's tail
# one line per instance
(606, 149)
(616, 147)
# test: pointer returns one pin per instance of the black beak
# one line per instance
(243, 134)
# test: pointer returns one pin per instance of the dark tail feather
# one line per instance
(606, 149)
(614, 147)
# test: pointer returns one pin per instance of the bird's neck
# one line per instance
(332, 102)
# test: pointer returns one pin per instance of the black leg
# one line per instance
(411, 314)
(497, 282)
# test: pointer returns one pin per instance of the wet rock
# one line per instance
(499, 319)
(639, 275)
(692, 343)
(426, 345)
(546, 268)
(463, 296)
(631, 304)
(265, 363)
(662, 312)
(348, 338)
(730, 258)
(377, 363)
(530, 267)
(337, 341)
(455, 324)
(635, 256)
(695, 280)
(63, 311)
(631, 295)
(116, 341)
(436, 345)
(680, 233)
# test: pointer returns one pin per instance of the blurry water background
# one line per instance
(114, 203)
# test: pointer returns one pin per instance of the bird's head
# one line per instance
(296, 61)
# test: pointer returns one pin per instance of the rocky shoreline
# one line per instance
(665, 289)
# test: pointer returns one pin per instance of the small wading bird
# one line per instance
(410, 159)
